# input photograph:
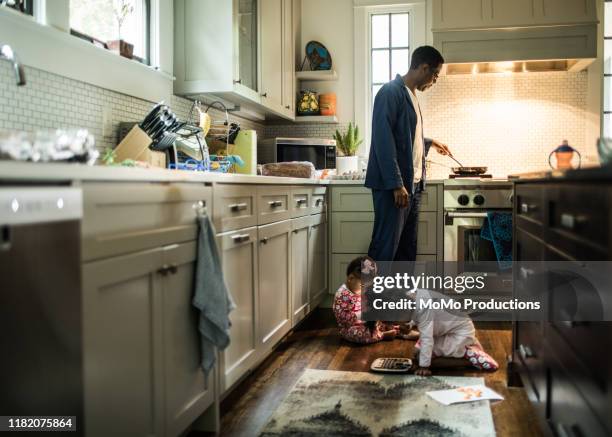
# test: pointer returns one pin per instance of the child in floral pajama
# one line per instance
(347, 309)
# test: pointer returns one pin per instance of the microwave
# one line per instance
(321, 152)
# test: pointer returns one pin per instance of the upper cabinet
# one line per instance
(238, 50)
(477, 14)
(271, 47)
(480, 31)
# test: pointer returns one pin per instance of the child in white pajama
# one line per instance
(447, 335)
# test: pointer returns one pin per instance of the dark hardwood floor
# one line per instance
(316, 344)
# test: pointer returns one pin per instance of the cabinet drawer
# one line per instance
(128, 217)
(235, 207)
(570, 414)
(579, 220)
(300, 201)
(273, 204)
(318, 201)
(429, 199)
(351, 199)
(530, 355)
(351, 231)
(529, 203)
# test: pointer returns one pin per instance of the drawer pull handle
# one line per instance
(318, 202)
(525, 352)
(571, 222)
(301, 202)
(241, 238)
(237, 207)
(526, 208)
(167, 269)
(264, 240)
(275, 203)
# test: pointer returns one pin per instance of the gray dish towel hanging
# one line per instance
(211, 296)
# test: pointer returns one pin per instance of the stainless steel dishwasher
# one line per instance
(41, 370)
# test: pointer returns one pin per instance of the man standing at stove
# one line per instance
(396, 167)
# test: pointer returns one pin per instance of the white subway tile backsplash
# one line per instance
(49, 101)
(509, 123)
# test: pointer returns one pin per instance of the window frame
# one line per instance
(44, 42)
(388, 48)
(419, 23)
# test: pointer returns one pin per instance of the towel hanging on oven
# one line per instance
(497, 228)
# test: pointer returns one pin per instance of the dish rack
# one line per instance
(222, 130)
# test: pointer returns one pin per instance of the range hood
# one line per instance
(518, 49)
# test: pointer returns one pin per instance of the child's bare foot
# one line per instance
(389, 335)
(409, 334)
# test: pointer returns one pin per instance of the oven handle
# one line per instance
(466, 214)
(450, 215)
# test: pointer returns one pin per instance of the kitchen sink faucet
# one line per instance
(6, 52)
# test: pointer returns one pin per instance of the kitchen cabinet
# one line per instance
(317, 260)
(139, 252)
(238, 50)
(300, 263)
(271, 48)
(467, 31)
(472, 14)
(187, 391)
(239, 252)
(274, 284)
(120, 218)
(564, 361)
(141, 344)
(235, 207)
(122, 345)
(209, 51)
(273, 204)
(352, 219)
(288, 60)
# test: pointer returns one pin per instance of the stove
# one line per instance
(467, 201)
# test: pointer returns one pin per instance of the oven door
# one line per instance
(302, 152)
(467, 253)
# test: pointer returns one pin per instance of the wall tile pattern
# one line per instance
(50, 101)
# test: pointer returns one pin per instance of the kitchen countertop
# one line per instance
(586, 174)
(61, 172)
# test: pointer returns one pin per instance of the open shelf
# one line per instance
(322, 75)
(325, 119)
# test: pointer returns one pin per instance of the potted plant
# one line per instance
(347, 144)
(122, 8)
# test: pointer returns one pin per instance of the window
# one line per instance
(104, 22)
(390, 48)
(24, 6)
(607, 103)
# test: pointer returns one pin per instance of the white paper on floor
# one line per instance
(469, 393)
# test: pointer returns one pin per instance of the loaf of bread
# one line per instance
(295, 169)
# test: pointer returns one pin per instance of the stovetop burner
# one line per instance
(469, 176)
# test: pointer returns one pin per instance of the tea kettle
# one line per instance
(564, 155)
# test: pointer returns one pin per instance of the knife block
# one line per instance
(135, 146)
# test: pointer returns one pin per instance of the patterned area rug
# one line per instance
(331, 403)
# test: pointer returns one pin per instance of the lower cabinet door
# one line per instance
(274, 277)
(300, 299)
(239, 260)
(122, 347)
(187, 391)
(317, 261)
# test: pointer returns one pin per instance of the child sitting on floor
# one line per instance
(347, 309)
(447, 340)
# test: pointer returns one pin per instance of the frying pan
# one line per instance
(466, 171)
